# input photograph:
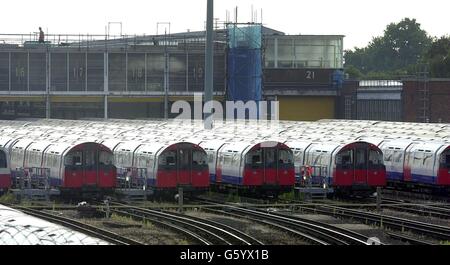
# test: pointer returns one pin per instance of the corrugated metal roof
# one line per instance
(17, 228)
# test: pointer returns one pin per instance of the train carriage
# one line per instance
(428, 164)
(173, 164)
(346, 166)
(266, 166)
(394, 158)
(69, 166)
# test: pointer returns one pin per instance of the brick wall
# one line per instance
(439, 100)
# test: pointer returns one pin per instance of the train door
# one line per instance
(74, 173)
(360, 175)
(167, 169)
(199, 171)
(254, 168)
(106, 169)
(184, 166)
(376, 169)
(90, 168)
(407, 174)
(344, 174)
(286, 169)
(270, 172)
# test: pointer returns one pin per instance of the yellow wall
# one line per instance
(306, 108)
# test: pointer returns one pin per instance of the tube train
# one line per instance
(350, 167)
(263, 167)
(68, 166)
(416, 155)
(417, 165)
(160, 165)
(163, 155)
(423, 160)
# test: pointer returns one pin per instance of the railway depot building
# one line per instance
(408, 100)
(73, 77)
(96, 76)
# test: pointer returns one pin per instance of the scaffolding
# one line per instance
(244, 62)
(424, 93)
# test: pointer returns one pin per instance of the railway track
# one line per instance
(409, 239)
(439, 211)
(316, 232)
(90, 230)
(397, 223)
(201, 230)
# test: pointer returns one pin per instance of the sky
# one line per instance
(358, 20)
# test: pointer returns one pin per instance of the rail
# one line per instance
(205, 231)
(317, 232)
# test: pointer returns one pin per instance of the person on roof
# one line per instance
(41, 35)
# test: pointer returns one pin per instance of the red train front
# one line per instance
(89, 166)
(358, 167)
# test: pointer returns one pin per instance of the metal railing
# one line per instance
(31, 178)
(316, 177)
(131, 178)
(30, 40)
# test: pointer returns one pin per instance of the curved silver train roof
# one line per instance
(17, 228)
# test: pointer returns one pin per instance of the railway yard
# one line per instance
(212, 219)
(163, 182)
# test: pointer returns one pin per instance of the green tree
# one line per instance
(353, 72)
(438, 57)
(402, 45)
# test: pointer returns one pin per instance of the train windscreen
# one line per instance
(167, 160)
(344, 160)
(3, 162)
(375, 159)
(285, 159)
(254, 159)
(199, 160)
(445, 159)
(73, 160)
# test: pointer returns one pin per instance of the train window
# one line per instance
(184, 157)
(375, 157)
(3, 163)
(167, 158)
(90, 157)
(445, 160)
(170, 160)
(227, 159)
(285, 157)
(73, 159)
(198, 158)
(361, 158)
(398, 155)
(388, 155)
(236, 159)
(254, 157)
(345, 158)
(427, 160)
(270, 157)
(105, 158)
